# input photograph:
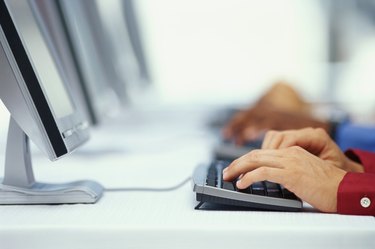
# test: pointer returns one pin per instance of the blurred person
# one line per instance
(282, 108)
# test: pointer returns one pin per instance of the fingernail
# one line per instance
(225, 174)
(238, 183)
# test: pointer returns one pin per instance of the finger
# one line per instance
(251, 161)
(240, 138)
(233, 124)
(267, 138)
(313, 140)
(272, 140)
(261, 174)
(251, 133)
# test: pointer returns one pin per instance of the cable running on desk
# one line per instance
(147, 189)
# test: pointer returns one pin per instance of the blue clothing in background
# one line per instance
(355, 136)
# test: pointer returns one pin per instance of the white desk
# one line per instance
(161, 219)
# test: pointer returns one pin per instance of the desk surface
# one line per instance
(130, 219)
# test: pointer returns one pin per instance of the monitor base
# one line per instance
(18, 186)
(43, 193)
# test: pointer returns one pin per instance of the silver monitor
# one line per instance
(125, 41)
(133, 26)
(35, 91)
(51, 25)
(94, 56)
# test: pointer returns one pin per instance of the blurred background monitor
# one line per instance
(132, 20)
(51, 25)
(42, 107)
(120, 22)
(92, 52)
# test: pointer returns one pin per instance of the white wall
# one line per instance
(231, 50)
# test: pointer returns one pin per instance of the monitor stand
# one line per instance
(19, 186)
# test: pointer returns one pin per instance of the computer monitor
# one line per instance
(119, 20)
(93, 54)
(51, 25)
(42, 108)
(133, 26)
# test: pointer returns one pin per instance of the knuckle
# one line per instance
(294, 149)
(271, 133)
(234, 164)
(263, 172)
(321, 132)
(254, 155)
(310, 129)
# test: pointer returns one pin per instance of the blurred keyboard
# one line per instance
(229, 151)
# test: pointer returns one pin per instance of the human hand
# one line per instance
(316, 141)
(309, 177)
(253, 123)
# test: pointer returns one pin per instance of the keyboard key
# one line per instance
(228, 186)
(246, 190)
(211, 182)
(287, 194)
(272, 185)
(274, 193)
(257, 188)
(273, 189)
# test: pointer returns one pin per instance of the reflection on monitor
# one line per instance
(36, 93)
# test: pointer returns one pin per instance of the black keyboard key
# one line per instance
(228, 186)
(212, 176)
(271, 185)
(273, 189)
(257, 188)
(246, 190)
(287, 194)
(274, 193)
(211, 182)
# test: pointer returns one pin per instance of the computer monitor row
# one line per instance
(58, 74)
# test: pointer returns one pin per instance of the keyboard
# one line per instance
(209, 186)
(229, 151)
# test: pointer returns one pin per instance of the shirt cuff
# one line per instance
(367, 159)
(356, 194)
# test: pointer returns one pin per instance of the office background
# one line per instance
(229, 52)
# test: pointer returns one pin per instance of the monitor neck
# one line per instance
(18, 168)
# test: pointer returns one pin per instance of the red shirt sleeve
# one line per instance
(356, 193)
(367, 159)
